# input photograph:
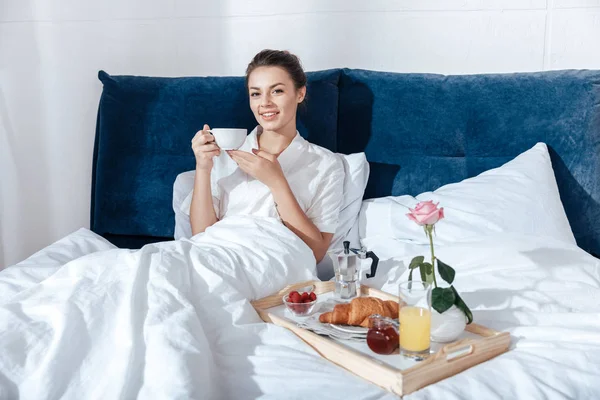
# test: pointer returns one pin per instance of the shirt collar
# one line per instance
(290, 155)
(287, 157)
(251, 141)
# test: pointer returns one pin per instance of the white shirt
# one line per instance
(314, 174)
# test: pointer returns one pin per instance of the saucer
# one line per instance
(356, 330)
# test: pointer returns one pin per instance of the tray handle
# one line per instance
(456, 351)
(296, 286)
(459, 352)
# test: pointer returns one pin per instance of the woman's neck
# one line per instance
(275, 142)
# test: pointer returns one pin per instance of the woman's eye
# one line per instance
(254, 94)
(277, 91)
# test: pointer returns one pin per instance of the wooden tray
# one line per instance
(476, 344)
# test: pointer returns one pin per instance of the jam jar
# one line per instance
(382, 337)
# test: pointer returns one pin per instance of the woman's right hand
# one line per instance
(205, 148)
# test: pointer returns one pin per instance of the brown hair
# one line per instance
(279, 58)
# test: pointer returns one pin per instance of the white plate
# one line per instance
(350, 329)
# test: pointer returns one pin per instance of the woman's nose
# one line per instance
(266, 100)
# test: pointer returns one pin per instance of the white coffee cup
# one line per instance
(229, 138)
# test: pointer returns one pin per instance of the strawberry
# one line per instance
(292, 293)
(305, 296)
(295, 298)
(313, 296)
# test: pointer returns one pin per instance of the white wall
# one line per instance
(50, 52)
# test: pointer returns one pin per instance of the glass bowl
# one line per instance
(299, 309)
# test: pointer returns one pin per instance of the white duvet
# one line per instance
(82, 320)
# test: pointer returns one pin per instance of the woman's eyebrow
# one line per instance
(271, 87)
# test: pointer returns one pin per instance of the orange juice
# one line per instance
(415, 328)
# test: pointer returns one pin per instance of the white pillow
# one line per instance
(519, 197)
(184, 183)
(356, 169)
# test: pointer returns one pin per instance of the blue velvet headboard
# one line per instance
(419, 131)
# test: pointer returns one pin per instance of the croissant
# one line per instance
(358, 311)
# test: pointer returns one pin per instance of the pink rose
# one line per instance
(426, 213)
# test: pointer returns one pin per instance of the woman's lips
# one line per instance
(269, 115)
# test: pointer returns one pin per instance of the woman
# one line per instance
(276, 172)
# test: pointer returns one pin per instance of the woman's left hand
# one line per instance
(260, 165)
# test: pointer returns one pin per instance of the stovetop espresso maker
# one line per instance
(347, 268)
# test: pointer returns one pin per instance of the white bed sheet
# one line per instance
(47, 261)
(173, 320)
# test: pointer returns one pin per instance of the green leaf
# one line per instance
(461, 305)
(410, 275)
(423, 273)
(415, 262)
(442, 299)
(428, 268)
(446, 272)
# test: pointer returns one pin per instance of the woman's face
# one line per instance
(274, 98)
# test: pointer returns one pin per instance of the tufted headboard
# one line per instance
(419, 131)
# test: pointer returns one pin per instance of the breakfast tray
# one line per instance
(393, 372)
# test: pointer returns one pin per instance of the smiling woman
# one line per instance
(275, 173)
(277, 85)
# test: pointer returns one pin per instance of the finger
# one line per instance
(202, 150)
(264, 154)
(202, 132)
(207, 155)
(197, 135)
(242, 155)
(233, 156)
(208, 147)
(239, 160)
(244, 166)
(203, 138)
(204, 147)
(206, 130)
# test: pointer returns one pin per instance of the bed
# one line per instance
(513, 158)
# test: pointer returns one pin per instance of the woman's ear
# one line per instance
(301, 94)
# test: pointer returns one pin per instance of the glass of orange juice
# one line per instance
(415, 319)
